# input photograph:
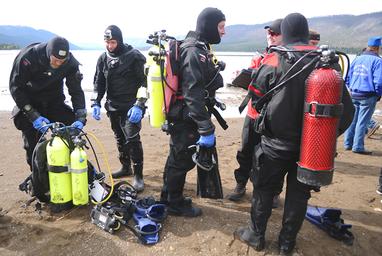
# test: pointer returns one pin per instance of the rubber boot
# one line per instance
(163, 199)
(249, 236)
(183, 208)
(261, 209)
(124, 171)
(238, 192)
(294, 214)
(138, 183)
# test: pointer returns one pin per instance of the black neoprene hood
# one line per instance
(294, 29)
(207, 24)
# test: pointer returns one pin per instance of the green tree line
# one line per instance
(9, 47)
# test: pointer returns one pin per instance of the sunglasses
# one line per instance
(272, 33)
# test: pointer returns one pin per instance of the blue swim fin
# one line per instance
(329, 220)
(149, 208)
(146, 229)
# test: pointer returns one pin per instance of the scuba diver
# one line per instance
(36, 85)
(249, 138)
(189, 117)
(280, 124)
(120, 75)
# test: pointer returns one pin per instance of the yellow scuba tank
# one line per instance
(155, 90)
(60, 187)
(79, 172)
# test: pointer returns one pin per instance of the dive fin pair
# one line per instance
(329, 220)
(147, 213)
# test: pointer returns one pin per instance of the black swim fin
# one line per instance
(208, 181)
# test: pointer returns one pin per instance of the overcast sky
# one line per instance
(83, 21)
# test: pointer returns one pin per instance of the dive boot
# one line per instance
(183, 209)
(248, 236)
(237, 193)
(138, 183)
(124, 171)
(286, 248)
(186, 200)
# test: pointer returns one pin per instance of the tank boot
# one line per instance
(124, 171)
(238, 192)
(138, 183)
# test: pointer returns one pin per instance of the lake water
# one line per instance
(88, 59)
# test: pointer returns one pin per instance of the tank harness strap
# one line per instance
(244, 103)
(323, 110)
(219, 118)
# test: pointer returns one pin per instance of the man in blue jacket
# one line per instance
(365, 84)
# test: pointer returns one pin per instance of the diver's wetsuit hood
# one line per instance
(207, 25)
(294, 29)
(113, 32)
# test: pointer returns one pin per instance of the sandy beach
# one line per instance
(25, 231)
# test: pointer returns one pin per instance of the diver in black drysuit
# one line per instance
(190, 119)
(279, 150)
(37, 88)
(119, 75)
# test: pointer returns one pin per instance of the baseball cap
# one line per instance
(275, 26)
(374, 41)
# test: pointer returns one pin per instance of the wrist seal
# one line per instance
(80, 115)
(30, 112)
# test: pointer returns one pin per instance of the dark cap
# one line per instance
(275, 26)
(58, 47)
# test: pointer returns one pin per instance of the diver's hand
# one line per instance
(135, 114)
(78, 125)
(40, 124)
(96, 112)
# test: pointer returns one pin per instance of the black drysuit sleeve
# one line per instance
(193, 82)
(73, 83)
(99, 80)
(20, 75)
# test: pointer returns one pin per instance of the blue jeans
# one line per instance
(355, 134)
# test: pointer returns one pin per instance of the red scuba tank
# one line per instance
(322, 109)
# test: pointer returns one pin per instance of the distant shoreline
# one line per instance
(239, 53)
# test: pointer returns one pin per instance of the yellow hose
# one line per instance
(342, 64)
(106, 160)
